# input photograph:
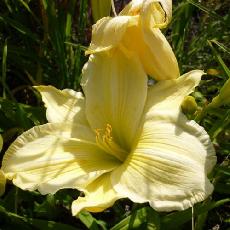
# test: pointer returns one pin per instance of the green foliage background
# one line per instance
(43, 42)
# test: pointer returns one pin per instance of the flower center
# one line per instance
(105, 141)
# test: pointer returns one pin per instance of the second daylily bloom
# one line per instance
(136, 30)
(123, 140)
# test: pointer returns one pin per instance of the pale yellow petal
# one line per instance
(129, 35)
(47, 158)
(2, 182)
(161, 63)
(154, 51)
(115, 87)
(168, 95)
(169, 166)
(156, 13)
(108, 32)
(63, 105)
(160, 11)
(99, 195)
(132, 8)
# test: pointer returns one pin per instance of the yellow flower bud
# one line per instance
(213, 72)
(189, 105)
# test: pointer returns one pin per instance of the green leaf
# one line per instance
(180, 26)
(29, 10)
(3, 77)
(100, 9)
(49, 225)
(205, 9)
(223, 188)
(144, 218)
(47, 209)
(220, 125)
(222, 46)
(30, 223)
(218, 58)
(19, 27)
(223, 170)
(176, 219)
(20, 115)
(1, 142)
(90, 222)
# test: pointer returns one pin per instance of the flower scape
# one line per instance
(123, 138)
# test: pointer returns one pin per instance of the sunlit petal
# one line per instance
(115, 87)
(162, 63)
(47, 158)
(154, 51)
(160, 11)
(135, 34)
(169, 166)
(108, 32)
(99, 195)
(63, 105)
(168, 95)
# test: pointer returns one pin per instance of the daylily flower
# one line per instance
(124, 139)
(136, 30)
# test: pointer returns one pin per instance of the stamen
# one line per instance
(105, 141)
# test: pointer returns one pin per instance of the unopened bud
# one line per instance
(189, 105)
(213, 72)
